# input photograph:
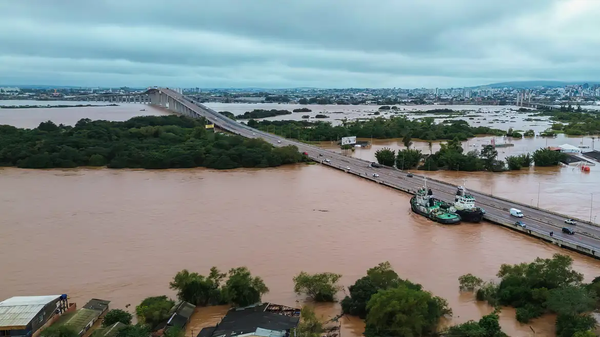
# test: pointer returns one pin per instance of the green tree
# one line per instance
(403, 312)
(97, 160)
(117, 315)
(547, 157)
(386, 156)
(513, 162)
(407, 141)
(320, 287)
(153, 310)
(588, 333)
(408, 158)
(469, 282)
(198, 289)
(56, 330)
(571, 300)
(137, 330)
(309, 325)
(241, 289)
(489, 155)
(378, 278)
(569, 325)
(488, 326)
(174, 331)
(529, 133)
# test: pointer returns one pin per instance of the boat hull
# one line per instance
(418, 210)
(474, 216)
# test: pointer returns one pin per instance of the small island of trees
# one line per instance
(151, 142)
(302, 110)
(451, 156)
(260, 113)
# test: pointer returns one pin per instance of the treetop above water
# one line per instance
(152, 142)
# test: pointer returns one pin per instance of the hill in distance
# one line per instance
(533, 84)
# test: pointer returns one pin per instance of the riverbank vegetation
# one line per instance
(379, 128)
(390, 305)
(540, 287)
(451, 156)
(574, 121)
(240, 288)
(151, 142)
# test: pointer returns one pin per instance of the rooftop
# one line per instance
(79, 319)
(256, 319)
(18, 311)
(97, 304)
(181, 314)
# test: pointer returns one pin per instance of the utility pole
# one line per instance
(539, 187)
(591, 205)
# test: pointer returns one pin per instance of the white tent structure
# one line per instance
(566, 148)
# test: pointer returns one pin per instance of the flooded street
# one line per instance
(123, 234)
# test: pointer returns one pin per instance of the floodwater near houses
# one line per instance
(123, 234)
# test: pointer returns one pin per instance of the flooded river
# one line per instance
(123, 234)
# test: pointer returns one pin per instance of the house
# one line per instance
(179, 316)
(24, 315)
(265, 320)
(566, 148)
(182, 313)
(83, 319)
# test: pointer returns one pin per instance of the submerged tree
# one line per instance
(320, 287)
(242, 289)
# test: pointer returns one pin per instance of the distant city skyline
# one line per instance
(290, 44)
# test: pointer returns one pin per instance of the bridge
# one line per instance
(540, 222)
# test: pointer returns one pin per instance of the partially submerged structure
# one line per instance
(265, 320)
(179, 317)
(24, 315)
(83, 319)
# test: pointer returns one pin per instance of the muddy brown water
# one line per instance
(122, 235)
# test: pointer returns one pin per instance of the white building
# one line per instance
(566, 148)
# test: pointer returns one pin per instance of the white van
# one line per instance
(516, 212)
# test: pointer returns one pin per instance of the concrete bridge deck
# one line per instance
(539, 222)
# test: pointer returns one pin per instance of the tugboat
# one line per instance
(464, 204)
(425, 204)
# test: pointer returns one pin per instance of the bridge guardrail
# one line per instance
(545, 235)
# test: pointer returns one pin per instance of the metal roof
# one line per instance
(20, 310)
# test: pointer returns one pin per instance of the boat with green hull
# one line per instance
(423, 203)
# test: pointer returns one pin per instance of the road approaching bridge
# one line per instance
(539, 222)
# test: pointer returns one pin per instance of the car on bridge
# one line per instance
(409, 175)
(571, 222)
(327, 160)
(568, 230)
(520, 224)
(375, 175)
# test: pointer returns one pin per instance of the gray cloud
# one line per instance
(335, 43)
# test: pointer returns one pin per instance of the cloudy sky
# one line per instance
(293, 43)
